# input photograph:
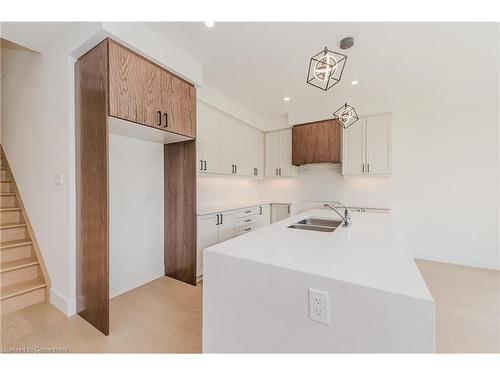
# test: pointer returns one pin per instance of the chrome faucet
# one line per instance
(346, 217)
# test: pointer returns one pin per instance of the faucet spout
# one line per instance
(346, 217)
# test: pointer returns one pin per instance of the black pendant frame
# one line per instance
(334, 78)
(338, 112)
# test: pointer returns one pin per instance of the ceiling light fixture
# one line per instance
(286, 99)
(346, 116)
(209, 23)
(354, 83)
(325, 69)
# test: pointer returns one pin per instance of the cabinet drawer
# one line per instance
(246, 212)
(244, 229)
(246, 221)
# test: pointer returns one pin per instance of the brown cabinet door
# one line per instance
(317, 142)
(179, 103)
(134, 87)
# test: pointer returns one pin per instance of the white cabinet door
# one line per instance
(226, 226)
(279, 212)
(264, 215)
(206, 237)
(243, 149)
(285, 159)
(378, 145)
(226, 143)
(353, 149)
(208, 139)
(258, 153)
(272, 153)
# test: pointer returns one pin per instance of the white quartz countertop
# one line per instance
(371, 253)
(206, 210)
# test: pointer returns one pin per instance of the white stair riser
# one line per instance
(20, 275)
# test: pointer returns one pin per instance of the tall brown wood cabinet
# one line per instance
(113, 81)
(316, 142)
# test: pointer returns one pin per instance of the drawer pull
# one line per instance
(247, 220)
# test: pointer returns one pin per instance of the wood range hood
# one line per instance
(316, 142)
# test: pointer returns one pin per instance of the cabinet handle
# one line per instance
(276, 171)
(217, 215)
(260, 210)
(247, 212)
(368, 165)
(246, 230)
(201, 165)
(166, 120)
(363, 167)
(289, 209)
(235, 169)
(204, 165)
(159, 118)
(247, 220)
(221, 218)
(280, 171)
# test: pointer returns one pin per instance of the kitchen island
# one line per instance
(256, 290)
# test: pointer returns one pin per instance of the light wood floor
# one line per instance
(165, 316)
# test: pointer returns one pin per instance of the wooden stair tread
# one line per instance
(16, 264)
(21, 288)
(17, 243)
(12, 225)
(10, 209)
(5, 181)
(7, 194)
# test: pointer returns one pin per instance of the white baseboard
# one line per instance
(133, 282)
(478, 262)
(67, 307)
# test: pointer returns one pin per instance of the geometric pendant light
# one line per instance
(346, 116)
(325, 69)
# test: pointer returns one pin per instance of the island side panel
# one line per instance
(265, 309)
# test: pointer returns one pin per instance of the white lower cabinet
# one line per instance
(224, 225)
(279, 212)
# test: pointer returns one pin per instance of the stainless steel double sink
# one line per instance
(316, 224)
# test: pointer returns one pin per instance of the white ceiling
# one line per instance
(257, 64)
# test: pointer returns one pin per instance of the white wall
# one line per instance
(136, 213)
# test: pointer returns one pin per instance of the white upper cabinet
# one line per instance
(208, 142)
(378, 145)
(227, 145)
(367, 147)
(278, 154)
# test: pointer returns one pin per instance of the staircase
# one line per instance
(23, 277)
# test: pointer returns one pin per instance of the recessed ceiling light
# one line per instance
(354, 83)
(209, 23)
(286, 99)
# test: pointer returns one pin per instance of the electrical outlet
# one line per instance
(470, 238)
(318, 306)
